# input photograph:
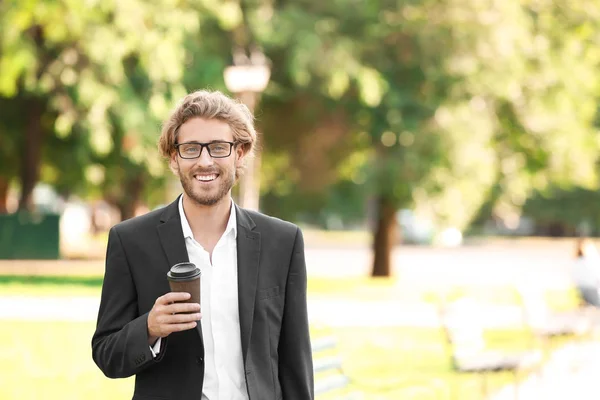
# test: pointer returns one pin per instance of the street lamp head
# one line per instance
(247, 78)
(248, 73)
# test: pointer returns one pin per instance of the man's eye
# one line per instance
(191, 149)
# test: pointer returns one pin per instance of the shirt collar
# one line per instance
(187, 230)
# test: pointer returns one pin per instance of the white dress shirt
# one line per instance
(224, 377)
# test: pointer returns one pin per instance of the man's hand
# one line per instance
(165, 317)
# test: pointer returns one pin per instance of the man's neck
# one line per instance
(207, 222)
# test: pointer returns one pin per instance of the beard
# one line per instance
(225, 181)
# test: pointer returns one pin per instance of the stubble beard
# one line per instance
(227, 181)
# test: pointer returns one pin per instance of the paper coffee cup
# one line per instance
(185, 277)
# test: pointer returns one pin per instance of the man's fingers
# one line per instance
(170, 315)
(181, 308)
(186, 326)
(179, 318)
(172, 297)
(180, 327)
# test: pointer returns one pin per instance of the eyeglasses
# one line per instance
(217, 149)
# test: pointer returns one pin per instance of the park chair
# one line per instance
(330, 380)
(464, 335)
(545, 323)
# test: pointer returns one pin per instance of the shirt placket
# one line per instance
(207, 301)
(217, 325)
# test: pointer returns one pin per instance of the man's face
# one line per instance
(206, 180)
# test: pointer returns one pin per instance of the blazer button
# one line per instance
(199, 360)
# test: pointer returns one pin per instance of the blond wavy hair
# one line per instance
(210, 105)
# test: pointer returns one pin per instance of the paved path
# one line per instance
(498, 263)
(572, 372)
(336, 312)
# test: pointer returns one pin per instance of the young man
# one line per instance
(252, 341)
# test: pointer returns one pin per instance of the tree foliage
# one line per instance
(98, 67)
(444, 100)
(435, 105)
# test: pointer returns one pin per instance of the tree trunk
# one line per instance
(127, 209)
(384, 237)
(131, 198)
(249, 184)
(3, 195)
(31, 153)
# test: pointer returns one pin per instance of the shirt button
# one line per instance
(199, 360)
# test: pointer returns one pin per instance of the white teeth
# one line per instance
(206, 178)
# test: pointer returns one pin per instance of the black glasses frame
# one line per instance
(202, 146)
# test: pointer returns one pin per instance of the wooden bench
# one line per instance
(330, 380)
(545, 323)
(464, 333)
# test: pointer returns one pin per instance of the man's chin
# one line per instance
(206, 200)
(205, 196)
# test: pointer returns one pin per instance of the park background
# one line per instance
(428, 148)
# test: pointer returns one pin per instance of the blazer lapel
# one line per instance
(248, 255)
(171, 235)
(173, 243)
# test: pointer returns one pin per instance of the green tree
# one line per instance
(67, 64)
(456, 97)
(512, 99)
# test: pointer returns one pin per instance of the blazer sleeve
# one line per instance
(120, 342)
(295, 352)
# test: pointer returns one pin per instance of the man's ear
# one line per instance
(173, 164)
(240, 154)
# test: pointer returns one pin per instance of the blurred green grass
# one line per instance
(50, 285)
(52, 360)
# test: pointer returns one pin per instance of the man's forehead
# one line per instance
(200, 129)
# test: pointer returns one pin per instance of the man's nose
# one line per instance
(205, 159)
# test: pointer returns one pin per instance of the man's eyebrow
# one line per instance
(212, 141)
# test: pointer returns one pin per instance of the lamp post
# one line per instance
(247, 78)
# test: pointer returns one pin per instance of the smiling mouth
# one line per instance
(206, 177)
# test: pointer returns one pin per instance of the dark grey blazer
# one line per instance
(272, 304)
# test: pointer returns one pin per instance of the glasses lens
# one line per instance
(218, 149)
(189, 150)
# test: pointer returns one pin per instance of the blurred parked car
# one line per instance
(413, 229)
